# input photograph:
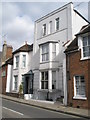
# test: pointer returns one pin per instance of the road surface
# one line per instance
(11, 109)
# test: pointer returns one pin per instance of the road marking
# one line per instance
(13, 111)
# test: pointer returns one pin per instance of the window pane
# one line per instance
(57, 24)
(42, 75)
(46, 85)
(50, 27)
(84, 41)
(45, 52)
(44, 29)
(15, 82)
(46, 75)
(24, 61)
(53, 79)
(17, 61)
(42, 84)
(80, 85)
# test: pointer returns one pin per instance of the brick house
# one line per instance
(6, 59)
(78, 69)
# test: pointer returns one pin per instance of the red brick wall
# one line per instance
(77, 67)
(9, 52)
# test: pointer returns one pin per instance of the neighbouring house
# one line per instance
(0, 73)
(0, 57)
(6, 54)
(22, 64)
(78, 69)
(52, 31)
(7, 75)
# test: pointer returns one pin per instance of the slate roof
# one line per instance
(84, 29)
(24, 48)
(9, 61)
(74, 44)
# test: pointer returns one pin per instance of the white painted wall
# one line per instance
(20, 71)
(70, 24)
(9, 78)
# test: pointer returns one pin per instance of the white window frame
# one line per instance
(75, 94)
(23, 61)
(45, 54)
(50, 27)
(16, 61)
(87, 57)
(54, 80)
(15, 88)
(44, 29)
(57, 20)
(44, 80)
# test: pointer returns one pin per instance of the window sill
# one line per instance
(15, 68)
(80, 98)
(85, 58)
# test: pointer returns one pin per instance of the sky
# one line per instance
(18, 19)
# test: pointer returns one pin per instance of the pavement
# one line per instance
(51, 106)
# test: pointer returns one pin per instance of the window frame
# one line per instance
(15, 82)
(87, 47)
(23, 61)
(50, 27)
(16, 62)
(45, 53)
(44, 29)
(79, 96)
(57, 23)
(54, 80)
(53, 52)
(44, 80)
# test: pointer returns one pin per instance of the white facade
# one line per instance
(70, 22)
(9, 78)
(21, 70)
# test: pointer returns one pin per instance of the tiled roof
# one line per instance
(84, 29)
(24, 48)
(73, 46)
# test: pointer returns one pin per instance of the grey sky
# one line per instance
(18, 19)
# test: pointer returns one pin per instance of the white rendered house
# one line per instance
(51, 33)
(22, 63)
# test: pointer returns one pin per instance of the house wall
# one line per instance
(20, 70)
(77, 23)
(4, 79)
(77, 67)
(67, 30)
(9, 78)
